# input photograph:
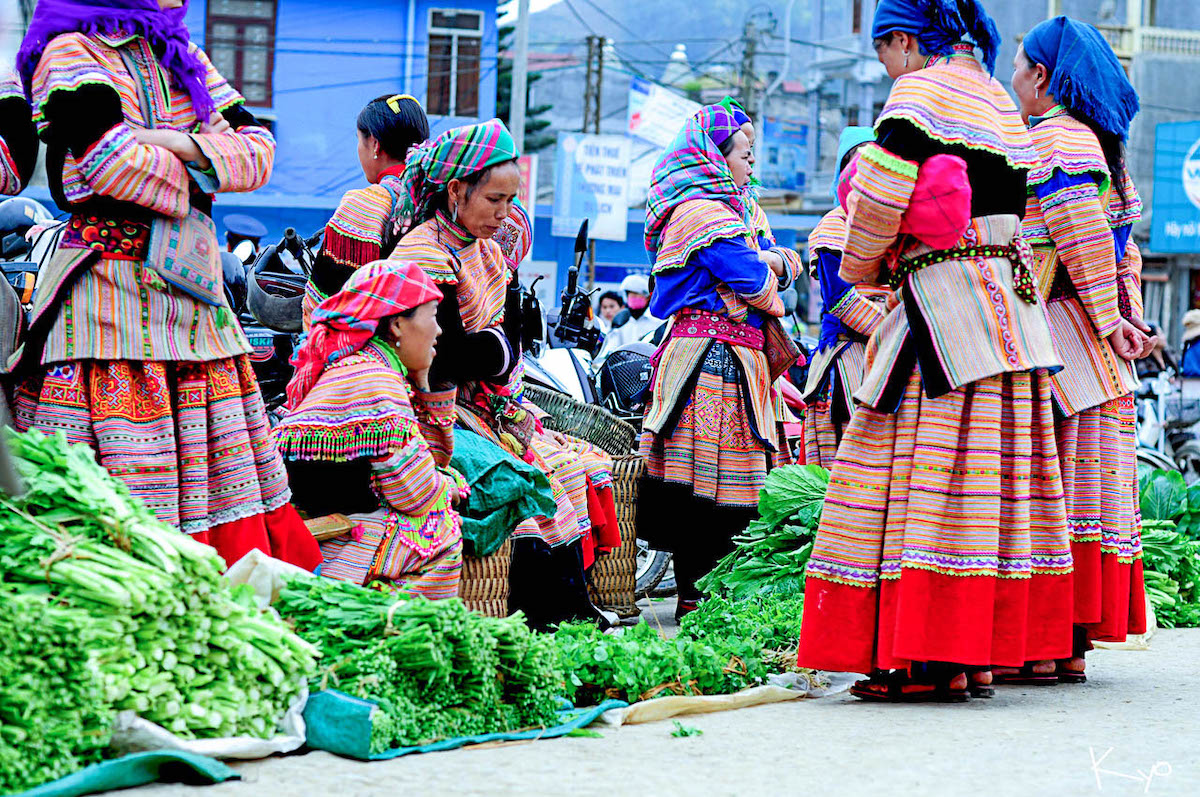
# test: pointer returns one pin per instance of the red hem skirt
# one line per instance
(943, 536)
(1098, 448)
(191, 439)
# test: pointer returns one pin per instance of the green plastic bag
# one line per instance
(341, 724)
(138, 769)
(504, 492)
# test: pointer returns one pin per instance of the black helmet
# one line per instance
(235, 282)
(275, 292)
(625, 378)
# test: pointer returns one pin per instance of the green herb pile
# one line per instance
(166, 637)
(1171, 547)
(770, 556)
(436, 669)
(722, 647)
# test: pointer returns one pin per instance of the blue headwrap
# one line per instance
(1085, 74)
(851, 137)
(939, 25)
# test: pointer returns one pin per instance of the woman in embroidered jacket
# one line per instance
(1082, 207)
(132, 351)
(366, 224)
(943, 545)
(848, 318)
(460, 192)
(18, 137)
(760, 225)
(709, 432)
(352, 438)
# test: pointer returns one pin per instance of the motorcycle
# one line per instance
(1168, 428)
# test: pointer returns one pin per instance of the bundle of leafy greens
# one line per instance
(167, 636)
(435, 669)
(770, 556)
(1171, 547)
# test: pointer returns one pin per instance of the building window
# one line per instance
(240, 35)
(455, 47)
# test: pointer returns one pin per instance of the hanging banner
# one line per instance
(657, 114)
(591, 177)
(1175, 220)
(527, 193)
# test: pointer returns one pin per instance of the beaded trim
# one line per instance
(1018, 252)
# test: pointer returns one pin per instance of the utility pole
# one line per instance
(749, 51)
(520, 75)
(593, 84)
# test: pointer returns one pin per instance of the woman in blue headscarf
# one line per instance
(944, 518)
(1082, 206)
(848, 317)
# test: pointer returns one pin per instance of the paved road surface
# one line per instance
(1139, 709)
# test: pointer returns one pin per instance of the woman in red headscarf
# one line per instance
(360, 407)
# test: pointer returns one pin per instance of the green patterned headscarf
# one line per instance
(453, 155)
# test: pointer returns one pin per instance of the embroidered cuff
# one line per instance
(436, 406)
(241, 159)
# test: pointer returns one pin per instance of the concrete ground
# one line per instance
(1134, 728)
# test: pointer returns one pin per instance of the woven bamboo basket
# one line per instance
(587, 422)
(614, 577)
(484, 584)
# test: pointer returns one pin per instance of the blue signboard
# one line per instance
(1175, 225)
(784, 158)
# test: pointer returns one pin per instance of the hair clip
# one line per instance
(393, 101)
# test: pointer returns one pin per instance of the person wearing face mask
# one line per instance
(360, 408)
(18, 136)
(709, 431)
(460, 191)
(942, 548)
(1079, 104)
(366, 224)
(132, 348)
(639, 320)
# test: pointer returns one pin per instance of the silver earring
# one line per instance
(906, 59)
(375, 156)
(454, 215)
(1037, 94)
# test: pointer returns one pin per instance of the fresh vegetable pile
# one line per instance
(166, 635)
(1171, 547)
(436, 669)
(723, 647)
(770, 556)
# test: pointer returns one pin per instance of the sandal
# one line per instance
(1079, 648)
(899, 687)
(977, 688)
(1024, 676)
(683, 607)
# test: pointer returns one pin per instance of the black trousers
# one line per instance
(548, 584)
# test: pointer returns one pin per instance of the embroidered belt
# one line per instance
(124, 240)
(1018, 252)
(699, 324)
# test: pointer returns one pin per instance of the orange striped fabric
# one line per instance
(478, 271)
(1075, 223)
(693, 226)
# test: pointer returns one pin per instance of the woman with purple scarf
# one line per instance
(132, 348)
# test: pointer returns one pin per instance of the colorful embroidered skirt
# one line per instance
(354, 557)
(191, 439)
(1098, 449)
(832, 404)
(820, 434)
(944, 535)
(713, 446)
(563, 528)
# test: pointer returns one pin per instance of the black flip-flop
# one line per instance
(916, 692)
(1025, 676)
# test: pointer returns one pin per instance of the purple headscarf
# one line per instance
(162, 28)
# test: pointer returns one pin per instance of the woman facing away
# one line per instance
(460, 191)
(360, 407)
(943, 545)
(367, 223)
(133, 350)
(709, 435)
(1078, 103)
(18, 136)
(848, 318)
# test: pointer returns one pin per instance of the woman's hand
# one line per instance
(774, 260)
(216, 125)
(421, 380)
(1127, 341)
(1152, 336)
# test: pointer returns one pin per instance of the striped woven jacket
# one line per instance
(961, 319)
(1069, 218)
(110, 309)
(10, 94)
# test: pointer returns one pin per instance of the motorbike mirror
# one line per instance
(536, 280)
(245, 251)
(14, 245)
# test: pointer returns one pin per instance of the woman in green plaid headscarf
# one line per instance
(457, 154)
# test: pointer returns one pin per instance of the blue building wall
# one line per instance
(331, 58)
